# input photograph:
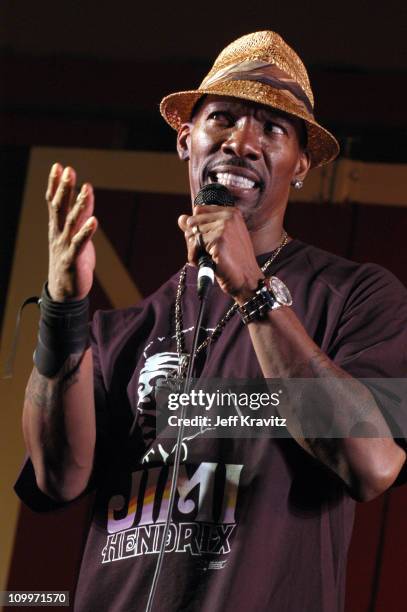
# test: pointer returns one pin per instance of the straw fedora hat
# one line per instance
(260, 67)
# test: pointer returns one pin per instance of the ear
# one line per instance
(302, 166)
(183, 141)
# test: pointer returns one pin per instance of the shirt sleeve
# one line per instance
(371, 344)
(371, 337)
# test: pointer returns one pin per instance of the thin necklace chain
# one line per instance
(228, 314)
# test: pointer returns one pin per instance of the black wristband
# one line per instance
(63, 331)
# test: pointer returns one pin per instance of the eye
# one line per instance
(271, 127)
(222, 118)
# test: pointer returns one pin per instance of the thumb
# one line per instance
(182, 222)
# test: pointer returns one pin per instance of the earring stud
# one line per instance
(297, 184)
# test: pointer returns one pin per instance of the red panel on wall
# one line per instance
(327, 226)
(363, 554)
(380, 236)
(392, 580)
(143, 229)
(48, 549)
(159, 248)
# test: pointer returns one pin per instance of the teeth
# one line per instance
(224, 178)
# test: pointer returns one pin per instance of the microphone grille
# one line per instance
(214, 193)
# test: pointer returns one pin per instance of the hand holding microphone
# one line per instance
(218, 240)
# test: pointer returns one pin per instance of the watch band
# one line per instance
(263, 300)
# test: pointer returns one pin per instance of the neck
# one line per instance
(267, 237)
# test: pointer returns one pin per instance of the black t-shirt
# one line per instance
(258, 524)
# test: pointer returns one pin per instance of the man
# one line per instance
(258, 524)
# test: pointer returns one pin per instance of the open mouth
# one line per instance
(233, 181)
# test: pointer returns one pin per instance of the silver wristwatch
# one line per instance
(271, 294)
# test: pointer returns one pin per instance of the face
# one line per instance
(251, 149)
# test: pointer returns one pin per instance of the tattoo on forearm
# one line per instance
(45, 392)
(42, 391)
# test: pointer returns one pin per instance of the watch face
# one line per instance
(280, 291)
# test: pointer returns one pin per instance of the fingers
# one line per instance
(210, 228)
(80, 212)
(70, 226)
(197, 233)
(60, 192)
(204, 214)
(208, 215)
(199, 237)
(66, 219)
(64, 195)
(82, 237)
(53, 181)
(200, 220)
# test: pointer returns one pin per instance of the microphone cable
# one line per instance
(177, 458)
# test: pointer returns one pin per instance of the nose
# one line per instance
(244, 139)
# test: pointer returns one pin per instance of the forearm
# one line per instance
(367, 465)
(59, 427)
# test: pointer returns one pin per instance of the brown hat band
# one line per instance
(262, 72)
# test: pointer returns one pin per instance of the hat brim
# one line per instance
(322, 146)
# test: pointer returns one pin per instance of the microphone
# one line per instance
(212, 194)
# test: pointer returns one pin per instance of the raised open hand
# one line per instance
(71, 227)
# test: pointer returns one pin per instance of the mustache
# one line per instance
(239, 162)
